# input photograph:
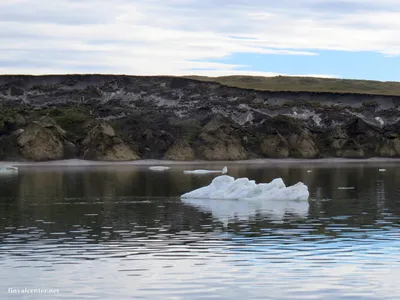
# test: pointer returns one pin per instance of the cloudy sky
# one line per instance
(337, 38)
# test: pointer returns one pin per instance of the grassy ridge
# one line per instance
(306, 84)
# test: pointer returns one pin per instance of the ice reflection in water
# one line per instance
(225, 210)
(123, 233)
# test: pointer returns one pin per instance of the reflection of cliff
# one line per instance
(116, 197)
(108, 182)
(380, 195)
(107, 199)
(372, 192)
(39, 188)
(41, 185)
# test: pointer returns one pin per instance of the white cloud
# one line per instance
(176, 36)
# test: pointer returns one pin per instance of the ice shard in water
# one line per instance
(227, 187)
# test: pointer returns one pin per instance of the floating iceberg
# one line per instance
(159, 168)
(227, 187)
(5, 169)
(223, 171)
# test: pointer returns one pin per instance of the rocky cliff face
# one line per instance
(106, 117)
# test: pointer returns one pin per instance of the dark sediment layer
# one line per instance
(118, 118)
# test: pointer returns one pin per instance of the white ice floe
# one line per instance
(227, 187)
(6, 169)
(382, 170)
(346, 188)
(380, 121)
(223, 171)
(159, 168)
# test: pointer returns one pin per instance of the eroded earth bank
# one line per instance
(117, 118)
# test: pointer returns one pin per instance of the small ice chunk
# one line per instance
(382, 170)
(309, 171)
(227, 187)
(346, 188)
(159, 168)
(379, 119)
(7, 169)
(201, 171)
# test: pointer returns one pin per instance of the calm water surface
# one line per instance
(122, 232)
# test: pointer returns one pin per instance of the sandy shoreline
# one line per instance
(152, 162)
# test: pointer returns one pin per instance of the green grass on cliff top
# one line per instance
(306, 84)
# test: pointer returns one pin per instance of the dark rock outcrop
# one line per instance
(219, 141)
(42, 140)
(180, 151)
(302, 146)
(275, 146)
(101, 143)
(389, 148)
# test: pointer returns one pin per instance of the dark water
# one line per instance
(123, 233)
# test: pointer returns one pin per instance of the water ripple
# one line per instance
(119, 247)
